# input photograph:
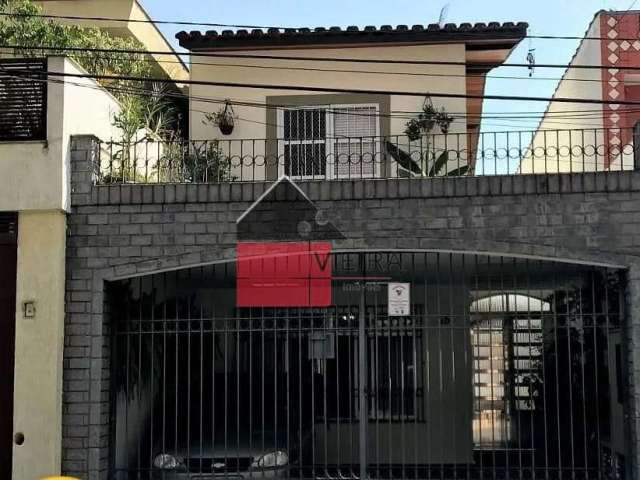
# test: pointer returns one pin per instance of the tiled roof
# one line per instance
(508, 33)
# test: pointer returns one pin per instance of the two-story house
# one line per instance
(306, 288)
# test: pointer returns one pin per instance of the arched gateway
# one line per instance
(305, 363)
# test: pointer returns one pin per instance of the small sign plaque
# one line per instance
(399, 304)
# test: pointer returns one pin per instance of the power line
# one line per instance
(136, 90)
(350, 71)
(309, 88)
(407, 115)
(319, 59)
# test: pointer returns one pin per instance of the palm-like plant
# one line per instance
(421, 128)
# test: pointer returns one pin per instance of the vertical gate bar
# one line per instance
(543, 381)
(427, 357)
(557, 369)
(440, 362)
(452, 334)
(127, 368)
(299, 368)
(509, 383)
(164, 363)
(596, 330)
(237, 327)
(476, 364)
(582, 336)
(467, 348)
(572, 429)
(250, 324)
(362, 380)
(214, 326)
(275, 383)
(262, 372)
(336, 342)
(375, 382)
(189, 386)
(400, 335)
(352, 379)
(201, 357)
(177, 351)
(491, 379)
(153, 376)
(608, 349)
(389, 385)
(416, 409)
(323, 362)
(530, 365)
(225, 393)
(310, 356)
(287, 367)
(139, 360)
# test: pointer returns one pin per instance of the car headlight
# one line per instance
(273, 459)
(165, 461)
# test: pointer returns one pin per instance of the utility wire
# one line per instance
(509, 116)
(350, 71)
(219, 101)
(309, 88)
(321, 59)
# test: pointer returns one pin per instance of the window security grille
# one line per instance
(336, 141)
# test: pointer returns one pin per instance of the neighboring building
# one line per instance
(139, 27)
(37, 121)
(341, 126)
(586, 137)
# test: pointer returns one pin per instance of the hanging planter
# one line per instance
(223, 118)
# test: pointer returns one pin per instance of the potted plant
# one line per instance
(422, 128)
(223, 118)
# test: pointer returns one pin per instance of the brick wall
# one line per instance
(122, 230)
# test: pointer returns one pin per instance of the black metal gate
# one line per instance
(502, 368)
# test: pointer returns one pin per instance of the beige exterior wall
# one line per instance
(39, 170)
(36, 184)
(251, 121)
(552, 143)
(147, 33)
(39, 343)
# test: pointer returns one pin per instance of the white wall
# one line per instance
(553, 132)
(39, 170)
(35, 182)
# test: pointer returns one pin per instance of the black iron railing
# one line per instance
(252, 160)
(23, 100)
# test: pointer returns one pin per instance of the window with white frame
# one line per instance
(332, 141)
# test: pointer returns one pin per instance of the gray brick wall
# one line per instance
(123, 230)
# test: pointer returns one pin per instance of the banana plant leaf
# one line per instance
(458, 172)
(403, 158)
(439, 164)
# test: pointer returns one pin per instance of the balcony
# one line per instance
(350, 158)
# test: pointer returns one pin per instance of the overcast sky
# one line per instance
(545, 17)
